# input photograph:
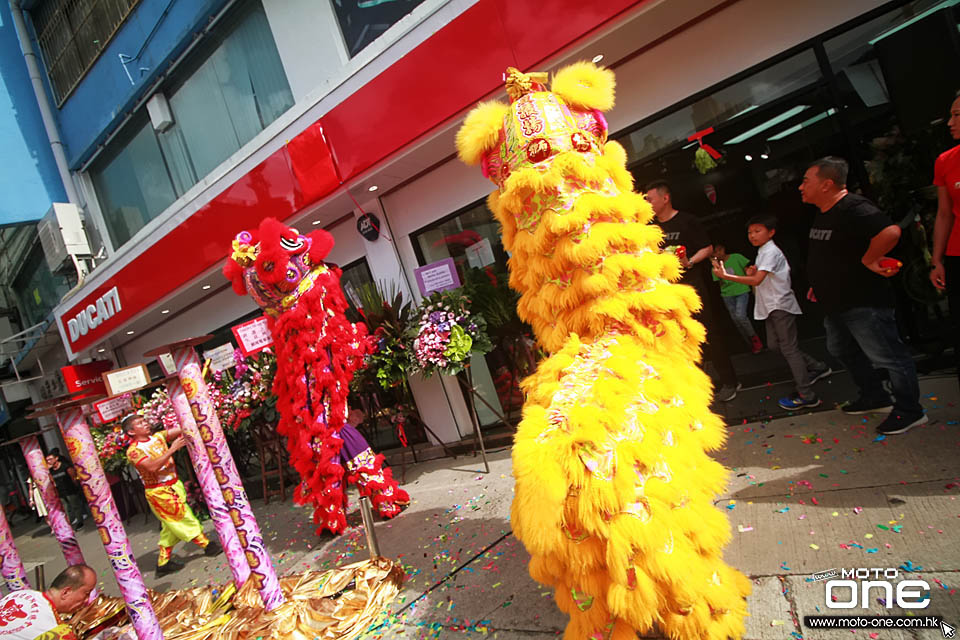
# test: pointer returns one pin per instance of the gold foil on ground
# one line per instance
(338, 604)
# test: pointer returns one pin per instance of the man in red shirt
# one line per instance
(945, 273)
(153, 458)
(29, 615)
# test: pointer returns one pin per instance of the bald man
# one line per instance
(32, 615)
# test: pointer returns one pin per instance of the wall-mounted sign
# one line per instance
(220, 357)
(112, 408)
(437, 276)
(253, 336)
(369, 226)
(127, 379)
(86, 377)
(94, 314)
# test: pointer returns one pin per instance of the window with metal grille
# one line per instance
(72, 33)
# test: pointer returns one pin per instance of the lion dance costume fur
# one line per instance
(614, 487)
(317, 352)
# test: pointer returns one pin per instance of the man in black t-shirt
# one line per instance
(684, 230)
(64, 477)
(849, 270)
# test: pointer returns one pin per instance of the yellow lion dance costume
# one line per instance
(614, 487)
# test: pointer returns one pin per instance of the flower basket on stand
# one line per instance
(381, 387)
(445, 333)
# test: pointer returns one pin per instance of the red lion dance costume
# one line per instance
(317, 352)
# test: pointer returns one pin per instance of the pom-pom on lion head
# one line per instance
(275, 263)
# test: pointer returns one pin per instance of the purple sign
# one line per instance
(437, 276)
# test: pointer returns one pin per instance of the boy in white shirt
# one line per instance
(777, 306)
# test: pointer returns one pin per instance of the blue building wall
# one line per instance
(155, 33)
(29, 180)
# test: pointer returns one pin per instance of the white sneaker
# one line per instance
(726, 393)
(814, 377)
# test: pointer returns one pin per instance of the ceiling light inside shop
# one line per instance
(740, 113)
(165, 311)
(806, 123)
(101, 350)
(597, 58)
(764, 156)
(772, 122)
(373, 188)
(748, 157)
(130, 333)
(315, 222)
(205, 287)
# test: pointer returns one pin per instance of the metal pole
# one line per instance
(39, 582)
(476, 422)
(366, 511)
(46, 111)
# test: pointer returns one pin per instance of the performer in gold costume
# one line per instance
(614, 487)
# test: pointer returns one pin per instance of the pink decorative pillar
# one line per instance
(225, 472)
(11, 568)
(56, 517)
(209, 485)
(76, 434)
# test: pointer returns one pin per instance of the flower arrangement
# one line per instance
(198, 503)
(243, 396)
(157, 409)
(111, 443)
(387, 318)
(445, 333)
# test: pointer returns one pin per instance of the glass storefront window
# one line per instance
(354, 277)
(472, 238)
(734, 104)
(895, 87)
(38, 290)
(236, 90)
(877, 107)
(363, 21)
(133, 186)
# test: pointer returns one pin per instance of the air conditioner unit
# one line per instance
(62, 236)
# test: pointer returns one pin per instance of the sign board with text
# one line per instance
(221, 357)
(167, 364)
(127, 379)
(253, 336)
(437, 276)
(86, 377)
(480, 254)
(112, 408)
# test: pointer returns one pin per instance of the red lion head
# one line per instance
(273, 262)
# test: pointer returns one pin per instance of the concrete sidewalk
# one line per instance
(808, 493)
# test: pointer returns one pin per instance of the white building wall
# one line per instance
(309, 43)
(315, 57)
